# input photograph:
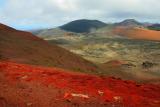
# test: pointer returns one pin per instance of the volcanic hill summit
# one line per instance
(129, 23)
(83, 25)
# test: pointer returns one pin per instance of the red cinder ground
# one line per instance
(24, 85)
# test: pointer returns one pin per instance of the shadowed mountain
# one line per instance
(24, 47)
(83, 26)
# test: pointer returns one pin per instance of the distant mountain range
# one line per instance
(87, 26)
(92, 26)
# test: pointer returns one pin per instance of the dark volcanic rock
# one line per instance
(148, 64)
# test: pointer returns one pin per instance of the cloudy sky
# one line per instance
(33, 14)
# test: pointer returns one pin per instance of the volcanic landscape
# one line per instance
(97, 66)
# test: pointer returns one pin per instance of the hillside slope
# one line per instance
(137, 33)
(23, 47)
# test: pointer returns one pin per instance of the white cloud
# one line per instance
(44, 13)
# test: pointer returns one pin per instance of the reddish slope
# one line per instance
(25, 85)
(138, 33)
(24, 47)
(6, 28)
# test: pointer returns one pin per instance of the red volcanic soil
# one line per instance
(138, 33)
(24, 85)
(6, 28)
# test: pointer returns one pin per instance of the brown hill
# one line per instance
(137, 33)
(24, 47)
